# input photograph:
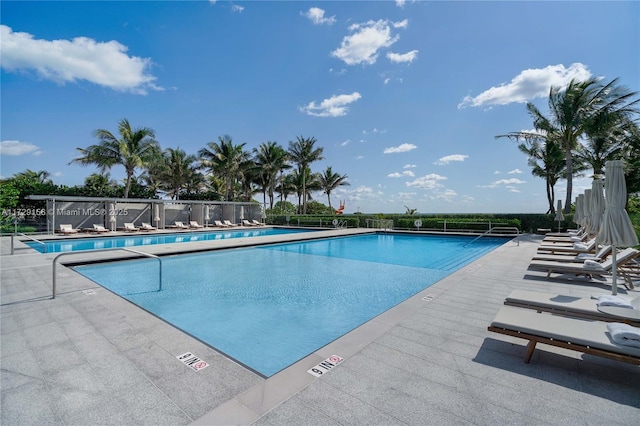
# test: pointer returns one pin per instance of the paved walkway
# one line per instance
(90, 357)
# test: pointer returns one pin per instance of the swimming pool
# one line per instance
(270, 306)
(93, 243)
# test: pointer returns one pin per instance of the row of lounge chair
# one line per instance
(67, 229)
(606, 326)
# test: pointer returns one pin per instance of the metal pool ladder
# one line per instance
(55, 260)
(497, 228)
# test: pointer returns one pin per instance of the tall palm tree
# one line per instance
(136, 148)
(330, 181)
(576, 108)
(224, 159)
(304, 184)
(302, 152)
(271, 158)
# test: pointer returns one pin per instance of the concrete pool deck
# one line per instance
(90, 357)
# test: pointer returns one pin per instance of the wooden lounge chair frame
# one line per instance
(627, 354)
(147, 227)
(67, 229)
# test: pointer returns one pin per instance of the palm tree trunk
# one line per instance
(567, 201)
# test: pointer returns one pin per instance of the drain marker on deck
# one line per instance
(89, 292)
(429, 297)
(192, 361)
(325, 365)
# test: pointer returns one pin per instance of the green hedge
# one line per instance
(524, 221)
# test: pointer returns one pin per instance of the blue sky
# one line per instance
(405, 97)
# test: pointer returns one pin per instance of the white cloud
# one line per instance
(82, 58)
(335, 106)
(346, 142)
(403, 174)
(515, 171)
(447, 195)
(409, 166)
(512, 188)
(430, 181)
(528, 85)
(507, 182)
(316, 15)
(449, 158)
(362, 46)
(236, 8)
(15, 148)
(401, 24)
(402, 57)
(405, 147)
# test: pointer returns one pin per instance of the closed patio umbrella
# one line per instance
(577, 216)
(586, 210)
(559, 215)
(617, 229)
(156, 214)
(206, 215)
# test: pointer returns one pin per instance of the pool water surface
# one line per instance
(269, 306)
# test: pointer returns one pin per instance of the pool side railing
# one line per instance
(500, 230)
(55, 262)
(44, 250)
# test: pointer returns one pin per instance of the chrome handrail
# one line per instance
(102, 250)
(27, 236)
(497, 228)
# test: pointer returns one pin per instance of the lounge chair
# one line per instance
(228, 223)
(568, 239)
(195, 224)
(573, 248)
(586, 268)
(573, 257)
(256, 223)
(245, 222)
(566, 305)
(586, 336)
(178, 224)
(147, 227)
(67, 229)
(130, 227)
(220, 224)
(99, 228)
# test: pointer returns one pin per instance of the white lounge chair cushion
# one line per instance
(580, 246)
(578, 331)
(611, 300)
(624, 334)
(576, 239)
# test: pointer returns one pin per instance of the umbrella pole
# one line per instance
(614, 286)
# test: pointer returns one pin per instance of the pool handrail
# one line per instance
(55, 260)
(29, 237)
(497, 228)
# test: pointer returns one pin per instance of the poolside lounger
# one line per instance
(245, 222)
(195, 224)
(220, 224)
(573, 257)
(255, 222)
(569, 239)
(559, 304)
(178, 224)
(573, 248)
(99, 228)
(130, 227)
(586, 336)
(67, 229)
(228, 223)
(574, 233)
(147, 227)
(586, 268)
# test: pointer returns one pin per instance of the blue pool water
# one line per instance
(93, 243)
(269, 306)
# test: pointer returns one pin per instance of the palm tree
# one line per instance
(575, 109)
(41, 176)
(177, 173)
(135, 149)
(304, 184)
(224, 159)
(271, 158)
(303, 153)
(330, 181)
